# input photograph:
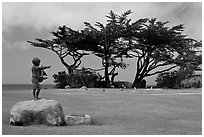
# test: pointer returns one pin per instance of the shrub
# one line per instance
(177, 79)
(167, 80)
(100, 84)
(122, 84)
(83, 77)
(193, 82)
(77, 79)
(60, 79)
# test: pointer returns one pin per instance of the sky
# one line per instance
(27, 21)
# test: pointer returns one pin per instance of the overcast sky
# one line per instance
(27, 21)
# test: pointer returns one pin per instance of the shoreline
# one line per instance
(52, 86)
(25, 86)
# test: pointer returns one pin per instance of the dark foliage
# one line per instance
(159, 48)
(83, 77)
(77, 79)
(122, 84)
(66, 42)
(167, 80)
(193, 82)
(178, 79)
(60, 79)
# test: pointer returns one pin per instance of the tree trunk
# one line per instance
(107, 80)
(113, 77)
(142, 65)
(137, 82)
(70, 70)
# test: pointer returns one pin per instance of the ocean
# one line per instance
(25, 86)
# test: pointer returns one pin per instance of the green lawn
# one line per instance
(140, 112)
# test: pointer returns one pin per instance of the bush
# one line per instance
(193, 82)
(176, 79)
(83, 77)
(100, 84)
(122, 84)
(167, 80)
(77, 79)
(60, 79)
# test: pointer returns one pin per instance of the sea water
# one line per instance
(24, 86)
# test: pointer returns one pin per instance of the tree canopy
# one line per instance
(66, 42)
(159, 48)
(106, 42)
(156, 47)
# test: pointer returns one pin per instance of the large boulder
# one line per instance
(73, 120)
(48, 112)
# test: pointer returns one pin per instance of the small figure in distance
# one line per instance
(37, 77)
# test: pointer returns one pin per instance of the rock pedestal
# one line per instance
(48, 112)
(67, 87)
(84, 88)
(72, 120)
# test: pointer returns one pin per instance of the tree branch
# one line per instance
(161, 71)
(95, 69)
(156, 66)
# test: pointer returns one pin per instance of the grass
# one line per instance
(139, 112)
